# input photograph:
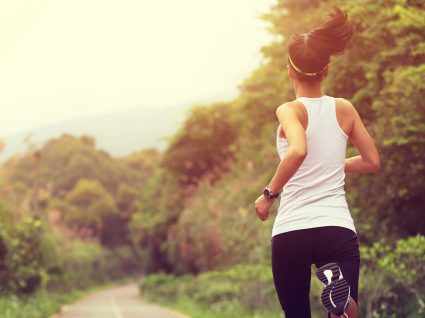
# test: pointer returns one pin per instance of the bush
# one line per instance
(240, 289)
(84, 264)
(392, 279)
(25, 252)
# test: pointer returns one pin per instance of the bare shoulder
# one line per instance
(345, 107)
(346, 115)
(289, 107)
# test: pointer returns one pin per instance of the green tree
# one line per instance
(202, 147)
(64, 161)
(160, 206)
(89, 203)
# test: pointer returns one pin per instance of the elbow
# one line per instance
(376, 165)
(299, 153)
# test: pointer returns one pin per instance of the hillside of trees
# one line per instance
(73, 215)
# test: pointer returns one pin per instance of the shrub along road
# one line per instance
(118, 302)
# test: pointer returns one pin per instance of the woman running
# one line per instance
(313, 224)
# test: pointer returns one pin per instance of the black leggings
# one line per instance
(294, 252)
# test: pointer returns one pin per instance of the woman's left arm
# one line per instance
(294, 157)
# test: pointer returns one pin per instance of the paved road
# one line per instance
(118, 302)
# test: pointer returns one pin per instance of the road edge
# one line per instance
(172, 311)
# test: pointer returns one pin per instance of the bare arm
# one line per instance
(368, 160)
(297, 147)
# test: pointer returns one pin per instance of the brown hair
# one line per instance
(309, 53)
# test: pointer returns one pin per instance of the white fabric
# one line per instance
(315, 195)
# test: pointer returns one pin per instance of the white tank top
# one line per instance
(315, 195)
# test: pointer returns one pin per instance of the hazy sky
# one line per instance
(61, 59)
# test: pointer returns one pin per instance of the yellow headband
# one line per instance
(304, 73)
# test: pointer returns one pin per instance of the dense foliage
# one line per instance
(61, 230)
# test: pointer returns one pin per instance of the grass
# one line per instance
(243, 291)
(195, 310)
(40, 305)
(44, 304)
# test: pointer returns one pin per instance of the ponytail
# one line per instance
(309, 53)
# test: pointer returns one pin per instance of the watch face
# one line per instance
(266, 192)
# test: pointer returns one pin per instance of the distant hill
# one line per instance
(119, 133)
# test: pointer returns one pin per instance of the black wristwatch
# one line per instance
(269, 194)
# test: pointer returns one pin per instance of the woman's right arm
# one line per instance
(368, 161)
